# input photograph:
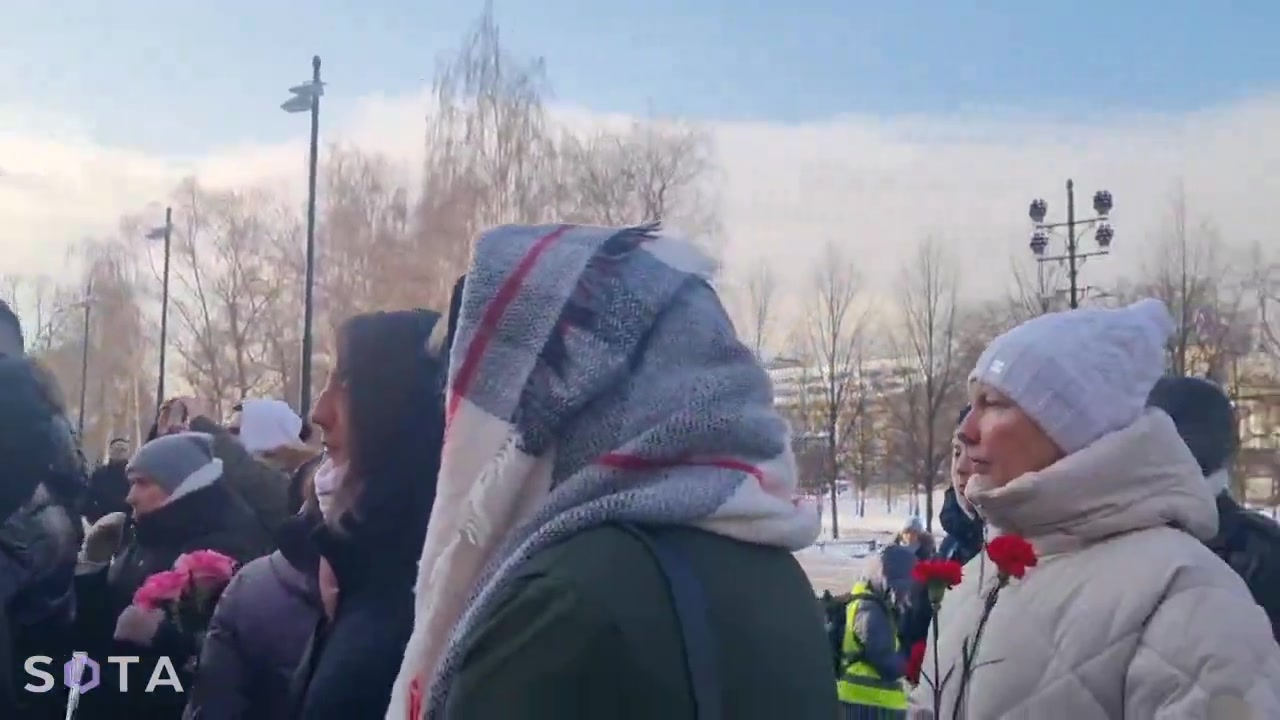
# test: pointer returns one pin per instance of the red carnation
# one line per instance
(1012, 555)
(938, 576)
(915, 661)
(947, 573)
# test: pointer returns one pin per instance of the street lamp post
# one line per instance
(306, 97)
(87, 305)
(1074, 256)
(164, 232)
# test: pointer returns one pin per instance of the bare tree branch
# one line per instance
(928, 345)
(835, 325)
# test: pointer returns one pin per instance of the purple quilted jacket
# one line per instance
(258, 634)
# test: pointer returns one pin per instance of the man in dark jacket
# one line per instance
(180, 505)
(1247, 541)
(263, 488)
(108, 485)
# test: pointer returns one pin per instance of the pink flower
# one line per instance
(206, 568)
(163, 587)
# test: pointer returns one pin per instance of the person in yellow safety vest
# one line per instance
(872, 664)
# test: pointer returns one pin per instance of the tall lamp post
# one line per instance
(1074, 256)
(164, 232)
(87, 305)
(306, 97)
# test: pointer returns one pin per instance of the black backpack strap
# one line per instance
(690, 602)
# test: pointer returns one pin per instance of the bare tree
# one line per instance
(655, 170)
(117, 345)
(862, 448)
(835, 325)
(41, 304)
(1189, 271)
(227, 284)
(760, 288)
(927, 346)
(494, 157)
(1036, 289)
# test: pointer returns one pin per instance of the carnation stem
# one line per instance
(937, 670)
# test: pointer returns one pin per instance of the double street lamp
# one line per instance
(164, 232)
(1104, 233)
(306, 98)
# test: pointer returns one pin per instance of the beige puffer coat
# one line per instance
(1127, 615)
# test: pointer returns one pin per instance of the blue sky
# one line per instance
(182, 77)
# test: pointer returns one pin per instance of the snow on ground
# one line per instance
(835, 564)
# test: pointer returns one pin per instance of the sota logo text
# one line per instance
(83, 673)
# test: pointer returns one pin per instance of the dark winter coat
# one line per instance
(1250, 544)
(38, 546)
(211, 518)
(108, 486)
(352, 662)
(589, 631)
(259, 633)
(264, 488)
(964, 533)
(42, 476)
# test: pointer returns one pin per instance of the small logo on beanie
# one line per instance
(1229, 707)
(997, 367)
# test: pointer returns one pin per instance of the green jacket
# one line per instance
(588, 631)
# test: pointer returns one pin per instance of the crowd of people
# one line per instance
(570, 496)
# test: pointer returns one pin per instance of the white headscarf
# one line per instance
(267, 425)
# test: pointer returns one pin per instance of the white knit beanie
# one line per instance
(1080, 374)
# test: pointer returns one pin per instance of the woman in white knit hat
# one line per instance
(1127, 614)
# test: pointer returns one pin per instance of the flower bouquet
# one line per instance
(186, 595)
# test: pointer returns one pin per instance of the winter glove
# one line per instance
(103, 538)
(138, 625)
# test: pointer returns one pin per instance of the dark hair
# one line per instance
(964, 413)
(395, 417)
(9, 322)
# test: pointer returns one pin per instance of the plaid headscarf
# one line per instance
(595, 378)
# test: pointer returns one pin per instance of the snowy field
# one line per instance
(835, 564)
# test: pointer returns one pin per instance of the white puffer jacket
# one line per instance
(1127, 614)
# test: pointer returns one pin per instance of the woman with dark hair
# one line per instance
(381, 416)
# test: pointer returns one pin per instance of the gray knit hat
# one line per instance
(180, 463)
(1080, 374)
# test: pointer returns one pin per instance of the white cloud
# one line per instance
(873, 184)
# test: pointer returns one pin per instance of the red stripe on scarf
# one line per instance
(624, 461)
(493, 315)
(415, 699)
